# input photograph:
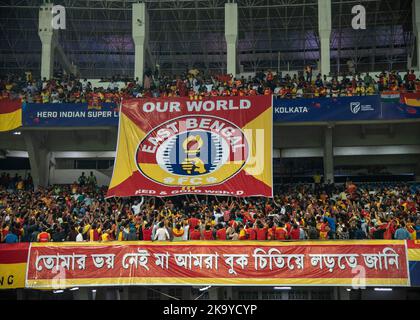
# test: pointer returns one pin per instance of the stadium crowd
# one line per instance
(80, 212)
(195, 85)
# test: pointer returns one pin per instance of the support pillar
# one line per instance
(39, 157)
(324, 28)
(140, 29)
(328, 155)
(231, 35)
(48, 39)
(416, 31)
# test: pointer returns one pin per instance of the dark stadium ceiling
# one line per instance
(276, 34)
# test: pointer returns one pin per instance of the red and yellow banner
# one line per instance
(349, 263)
(218, 146)
(13, 259)
(413, 247)
(411, 99)
(10, 114)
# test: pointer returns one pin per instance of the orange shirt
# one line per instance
(280, 233)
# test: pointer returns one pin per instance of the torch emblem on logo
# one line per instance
(192, 162)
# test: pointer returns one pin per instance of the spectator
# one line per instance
(44, 236)
(91, 180)
(79, 237)
(401, 233)
(178, 232)
(195, 234)
(82, 180)
(295, 232)
(11, 237)
(161, 233)
(308, 72)
(343, 211)
(66, 89)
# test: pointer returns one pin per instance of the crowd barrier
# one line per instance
(353, 263)
(355, 108)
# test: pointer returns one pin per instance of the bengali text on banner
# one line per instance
(349, 263)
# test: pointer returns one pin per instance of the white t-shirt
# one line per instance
(185, 235)
(218, 216)
(79, 237)
(161, 234)
(136, 208)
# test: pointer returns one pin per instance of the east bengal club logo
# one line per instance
(194, 150)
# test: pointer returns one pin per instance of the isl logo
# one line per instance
(193, 150)
(355, 107)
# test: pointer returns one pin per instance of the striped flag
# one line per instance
(10, 114)
(13, 259)
(390, 96)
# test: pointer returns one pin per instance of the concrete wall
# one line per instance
(66, 176)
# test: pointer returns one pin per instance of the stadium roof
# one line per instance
(190, 33)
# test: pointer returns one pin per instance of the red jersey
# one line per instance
(270, 233)
(390, 230)
(262, 234)
(94, 235)
(195, 235)
(193, 223)
(324, 227)
(208, 235)
(221, 234)
(252, 234)
(411, 77)
(295, 234)
(147, 234)
(5, 232)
